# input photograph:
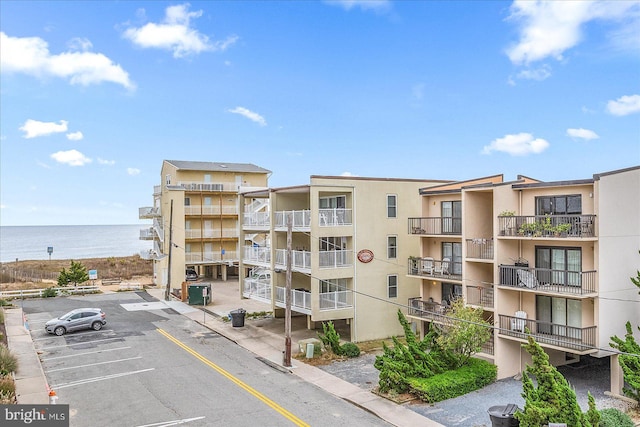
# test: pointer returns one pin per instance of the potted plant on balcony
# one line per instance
(508, 224)
(562, 229)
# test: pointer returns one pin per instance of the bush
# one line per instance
(350, 350)
(4, 302)
(330, 338)
(49, 292)
(612, 417)
(470, 377)
(7, 386)
(8, 362)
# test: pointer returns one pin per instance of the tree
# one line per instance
(465, 336)
(77, 274)
(552, 399)
(629, 361)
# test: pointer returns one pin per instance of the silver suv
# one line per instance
(80, 318)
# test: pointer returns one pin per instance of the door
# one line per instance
(451, 213)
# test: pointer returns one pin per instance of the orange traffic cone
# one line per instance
(52, 397)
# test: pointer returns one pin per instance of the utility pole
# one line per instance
(287, 296)
(167, 292)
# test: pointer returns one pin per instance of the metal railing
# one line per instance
(199, 233)
(335, 259)
(209, 186)
(158, 228)
(336, 300)
(37, 293)
(334, 217)
(436, 226)
(548, 280)
(300, 299)
(480, 248)
(429, 310)
(147, 234)
(258, 289)
(563, 336)
(260, 220)
(481, 296)
(488, 347)
(210, 210)
(301, 260)
(148, 212)
(555, 226)
(260, 254)
(428, 267)
(300, 219)
(203, 257)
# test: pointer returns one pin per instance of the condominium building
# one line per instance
(349, 246)
(195, 218)
(550, 259)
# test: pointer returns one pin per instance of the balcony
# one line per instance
(300, 260)
(210, 257)
(256, 221)
(336, 300)
(300, 220)
(259, 255)
(548, 226)
(434, 269)
(334, 217)
(257, 289)
(567, 338)
(335, 259)
(300, 299)
(548, 280)
(148, 213)
(480, 248)
(480, 296)
(147, 234)
(157, 190)
(209, 186)
(210, 210)
(429, 310)
(436, 226)
(209, 234)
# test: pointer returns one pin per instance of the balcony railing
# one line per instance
(335, 259)
(157, 227)
(204, 257)
(210, 210)
(563, 336)
(209, 186)
(301, 260)
(488, 347)
(300, 299)
(148, 212)
(548, 280)
(429, 310)
(260, 220)
(428, 267)
(481, 296)
(334, 217)
(157, 189)
(257, 254)
(436, 226)
(549, 226)
(257, 289)
(336, 300)
(147, 234)
(300, 219)
(225, 233)
(480, 248)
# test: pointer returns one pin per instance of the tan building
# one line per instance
(550, 258)
(349, 250)
(195, 218)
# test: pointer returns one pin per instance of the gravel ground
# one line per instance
(471, 410)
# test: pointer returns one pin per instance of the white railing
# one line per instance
(209, 186)
(336, 300)
(157, 226)
(257, 289)
(256, 219)
(335, 259)
(300, 259)
(300, 300)
(157, 189)
(228, 256)
(256, 205)
(259, 254)
(210, 233)
(31, 293)
(300, 219)
(147, 234)
(210, 210)
(334, 217)
(148, 212)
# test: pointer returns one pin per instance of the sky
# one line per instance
(94, 95)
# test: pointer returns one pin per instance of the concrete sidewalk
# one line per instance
(263, 337)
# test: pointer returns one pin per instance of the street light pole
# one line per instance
(287, 318)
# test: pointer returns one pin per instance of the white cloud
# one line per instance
(106, 162)
(624, 105)
(133, 171)
(375, 5)
(43, 165)
(35, 128)
(582, 134)
(176, 34)
(520, 144)
(75, 136)
(540, 73)
(71, 158)
(346, 173)
(249, 115)
(549, 28)
(30, 55)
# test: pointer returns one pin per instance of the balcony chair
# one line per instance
(443, 268)
(527, 279)
(519, 322)
(427, 265)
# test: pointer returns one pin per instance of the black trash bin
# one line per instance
(237, 317)
(502, 415)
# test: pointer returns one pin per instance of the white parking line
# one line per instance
(103, 332)
(102, 378)
(172, 423)
(83, 354)
(94, 364)
(79, 343)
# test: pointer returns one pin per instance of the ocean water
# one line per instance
(70, 241)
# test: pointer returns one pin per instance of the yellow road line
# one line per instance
(288, 415)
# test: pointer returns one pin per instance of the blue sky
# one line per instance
(94, 95)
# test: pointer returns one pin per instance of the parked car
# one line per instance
(80, 318)
(191, 275)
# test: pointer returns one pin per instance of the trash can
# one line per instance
(502, 415)
(237, 317)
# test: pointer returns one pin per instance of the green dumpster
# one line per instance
(198, 293)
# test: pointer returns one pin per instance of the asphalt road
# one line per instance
(150, 366)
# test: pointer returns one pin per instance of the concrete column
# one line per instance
(311, 325)
(224, 272)
(214, 272)
(617, 377)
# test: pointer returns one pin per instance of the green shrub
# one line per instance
(349, 349)
(2, 317)
(470, 377)
(8, 362)
(4, 302)
(330, 338)
(612, 417)
(49, 292)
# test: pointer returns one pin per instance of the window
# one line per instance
(451, 291)
(392, 206)
(187, 201)
(559, 316)
(559, 205)
(451, 213)
(333, 243)
(207, 177)
(167, 179)
(207, 201)
(453, 251)
(559, 266)
(392, 286)
(333, 285)
(392, 247)
(334, 202)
